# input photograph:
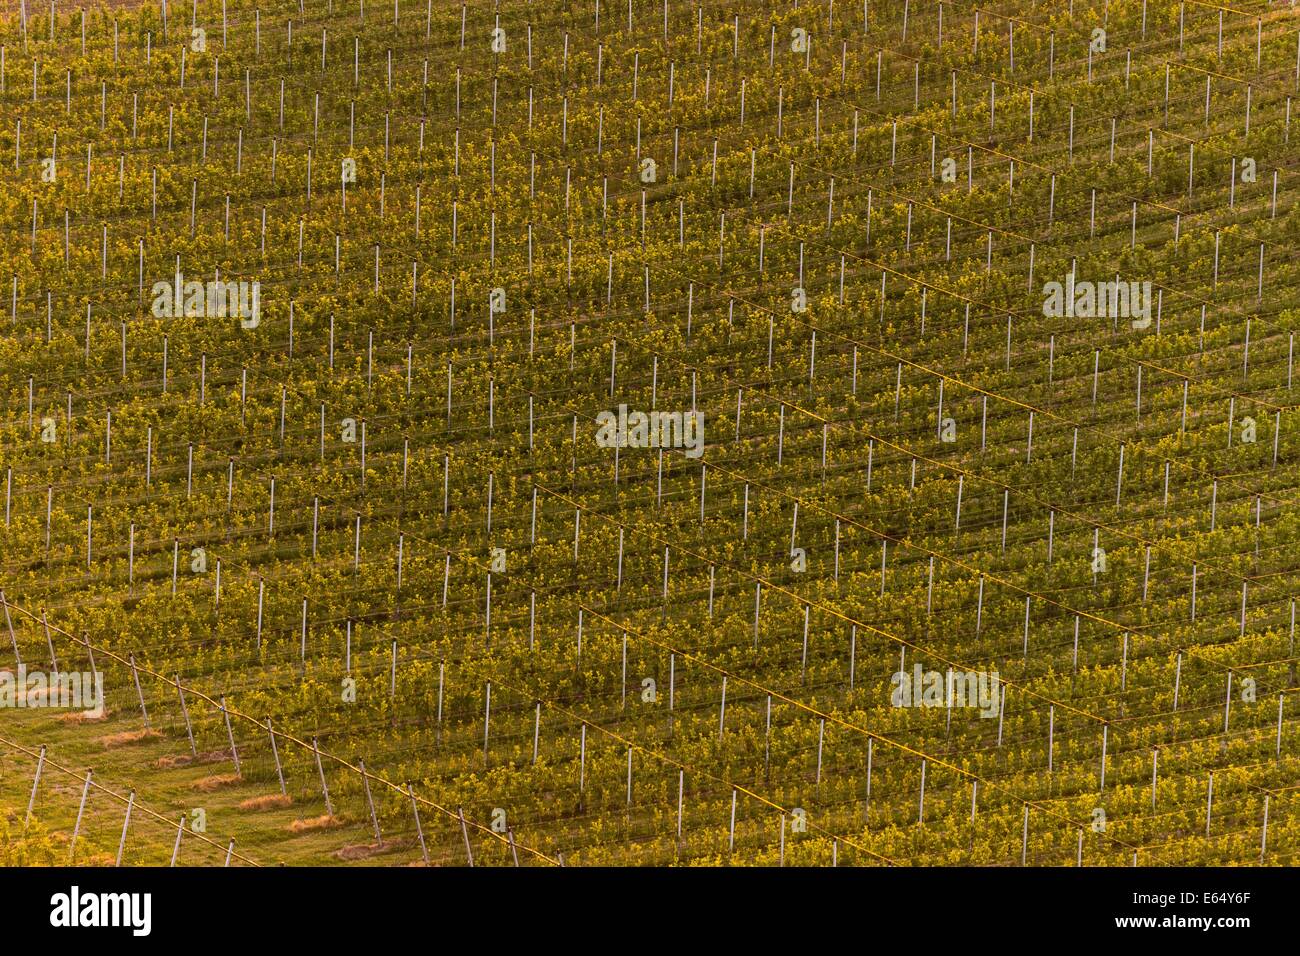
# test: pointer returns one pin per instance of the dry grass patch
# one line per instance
(184, 760)
(362, 851)
(269, 802)
(216, 781)
(85, 716)
(128, 737)
(325, 821)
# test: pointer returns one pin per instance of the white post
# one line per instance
(121, 846)
(81, 809)
(36, 782)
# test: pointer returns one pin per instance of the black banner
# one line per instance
(333, 906)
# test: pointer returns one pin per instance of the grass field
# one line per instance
(965, 534)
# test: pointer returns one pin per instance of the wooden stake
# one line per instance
(374, 818)
(189, 729)
(126, 823)
(275, 752)
(320, 770)
(419, 830)
(176, 847)
(234, 751)
(464, 832)
(36, 782)
(76, 828)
